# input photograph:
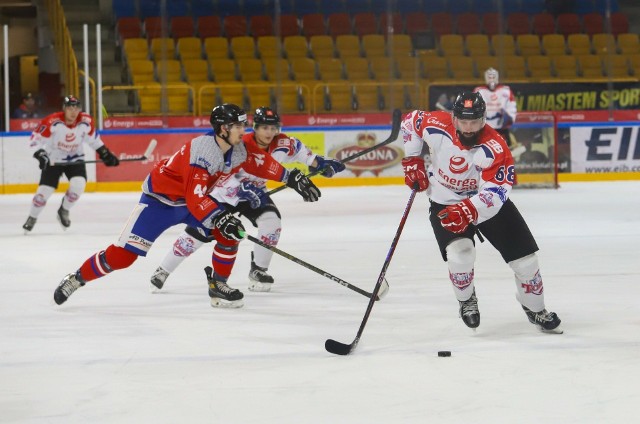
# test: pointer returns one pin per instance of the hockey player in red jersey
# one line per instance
(177, 191)
(58, 144)
(468, 184)
(246, 194)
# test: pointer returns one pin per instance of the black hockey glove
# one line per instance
(327, 167)
(229, 226)
(303, 185)
(107, 157)
(43, 158)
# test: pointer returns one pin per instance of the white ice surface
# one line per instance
(114, 353)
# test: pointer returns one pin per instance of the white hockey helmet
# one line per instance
(491, 78)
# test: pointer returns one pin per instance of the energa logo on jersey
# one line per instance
(458, 165)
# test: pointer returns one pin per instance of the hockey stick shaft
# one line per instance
(395, 131)
(147, 153)
(309, 266)
(338, 348)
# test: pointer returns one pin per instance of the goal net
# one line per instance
(534, 150)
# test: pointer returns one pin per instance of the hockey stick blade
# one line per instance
(396, 121)
(338, 348)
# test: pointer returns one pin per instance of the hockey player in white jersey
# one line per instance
(468, 184)
(501, 104)
(58, 145)
(246, 194)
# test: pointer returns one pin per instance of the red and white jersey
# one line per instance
(283, 148)
(63, 143)
(484, 173)
(187, 177)
(499, 102)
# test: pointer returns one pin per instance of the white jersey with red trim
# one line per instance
(484, 173)
(500, 102)
(63, 143)
(283, 149)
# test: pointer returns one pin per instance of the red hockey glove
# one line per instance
(456, 218)
(415, 175)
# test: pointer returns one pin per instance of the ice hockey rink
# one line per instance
(115, 353)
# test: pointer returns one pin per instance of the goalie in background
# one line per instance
(468, 183)
(246, 194)
(58, 143)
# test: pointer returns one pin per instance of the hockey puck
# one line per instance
(444, 353)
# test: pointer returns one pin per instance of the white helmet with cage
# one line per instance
(491, 78)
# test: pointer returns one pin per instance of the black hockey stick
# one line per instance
(147, 153)
(395, 131)
(338, 348)
(380, 293)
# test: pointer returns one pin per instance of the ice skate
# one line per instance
(223, 296)
(28, 226)
(547, 322)
(67, 286)
(469, 311)
(259, 280)
(158, 278)
(63, 217)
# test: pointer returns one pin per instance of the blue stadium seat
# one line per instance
(177, 8)
(305, 7)
(229, 8)
(149, 8)
(531, 7)
(202, 8)
(124, 9)
(358, 6)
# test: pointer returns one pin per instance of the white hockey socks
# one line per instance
(76, 189)
(269, 227)
(461, 255)
(528, 282)
(40, 200)
(182, 248)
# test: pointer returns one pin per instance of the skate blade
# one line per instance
(153, 288)
(226, 304)
(556, 330)
(256, 286)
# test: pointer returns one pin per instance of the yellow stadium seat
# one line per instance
(408, 68)
(477, 45)
(579, 44)
(590, 66)
(373, 45)
(515, 68)
(196, 70)
(566, 66)
(142, 69)
(321, 46)
(461, 67)
(348, 46)
(296, 46)
(259, 95)
(528, 44)
(136, 49)
(367, 96)
(356, 68)
(303, 69)
(216, 48)
(189, 48)
(243, 47)
(250, 69)
(451, 45)
(634, 64)
(269, 46)
(290, 99)
(553, 45)
(276, 69)
(399, 45)
(503, 44)
(163, 48)
(231, 92)
(341, 97)
(539, 66)
(383, 68)
(485, 62)
(223, 70)
(604, 44)
(168, 71)
(435, 68)
(629, 43)
(616, 66)
(330, 69)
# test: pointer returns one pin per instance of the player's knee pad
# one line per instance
(76, 188)
(118, 257)
(461, 255)
(185, 245)
(526, 267)
(269, 227)
(42, 195)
